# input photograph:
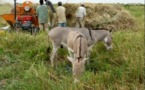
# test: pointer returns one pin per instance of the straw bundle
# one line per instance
(101, 16)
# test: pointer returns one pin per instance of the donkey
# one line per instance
(58, 37)
(77, 47)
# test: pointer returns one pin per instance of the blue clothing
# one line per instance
(62, 24)
(42, 12)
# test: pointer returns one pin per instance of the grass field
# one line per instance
(25, 65)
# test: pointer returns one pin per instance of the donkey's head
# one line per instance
(108, 42)
(78, 67)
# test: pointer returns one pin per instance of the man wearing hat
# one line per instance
(80, 16)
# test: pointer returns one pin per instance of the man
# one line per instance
(60, 11)
(42, 12)
(80, 16)
(52, 13)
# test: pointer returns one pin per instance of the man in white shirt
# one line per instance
(80, 16)
(60, 11)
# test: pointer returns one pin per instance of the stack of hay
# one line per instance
(101, 16)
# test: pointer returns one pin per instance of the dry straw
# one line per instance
(101, 16)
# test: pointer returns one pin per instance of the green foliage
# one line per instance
(25, 65)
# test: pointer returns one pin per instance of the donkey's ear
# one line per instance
(70, 59)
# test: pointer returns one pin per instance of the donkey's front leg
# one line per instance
(70, 53)
(88, 54)
(53, 53)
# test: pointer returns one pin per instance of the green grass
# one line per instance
(25, 65)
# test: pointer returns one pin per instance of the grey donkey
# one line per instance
(58, 37)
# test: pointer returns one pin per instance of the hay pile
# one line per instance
(101, 16)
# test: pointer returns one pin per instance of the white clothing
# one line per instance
(81, 12)
(61, 14)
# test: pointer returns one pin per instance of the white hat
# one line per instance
(82, 3)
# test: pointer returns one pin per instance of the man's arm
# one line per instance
(48, 3)
(84, 12)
